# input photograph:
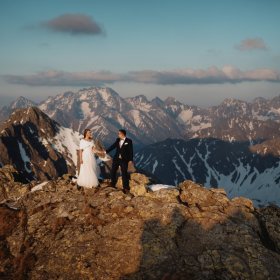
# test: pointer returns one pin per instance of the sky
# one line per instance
(198, 51)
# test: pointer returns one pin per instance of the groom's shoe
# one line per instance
(126, 191)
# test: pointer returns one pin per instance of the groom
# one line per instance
(124, 155)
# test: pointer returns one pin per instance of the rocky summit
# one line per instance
(37, 146)
(52, 230)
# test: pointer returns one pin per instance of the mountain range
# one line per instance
(104, 111)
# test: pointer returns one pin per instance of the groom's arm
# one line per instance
(112, 147)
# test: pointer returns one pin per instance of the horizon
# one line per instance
(199, 52)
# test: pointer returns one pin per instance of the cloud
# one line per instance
(61, 78)
(74, 24)
(212, 75)
(250, 44)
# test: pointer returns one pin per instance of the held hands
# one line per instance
(96, 151)
(101, 153)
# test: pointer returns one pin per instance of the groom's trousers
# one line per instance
(125, 176)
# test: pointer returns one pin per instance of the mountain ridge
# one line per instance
(105, 111)
(252, 171)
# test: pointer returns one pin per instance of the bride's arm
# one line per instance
(81, 156)
(96, 151)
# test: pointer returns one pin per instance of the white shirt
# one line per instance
(121, 142)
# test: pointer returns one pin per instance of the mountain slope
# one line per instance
(37, 146)
(235, 166)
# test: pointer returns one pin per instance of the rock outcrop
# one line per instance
(56, 231)
(10, 187)
(271, 147)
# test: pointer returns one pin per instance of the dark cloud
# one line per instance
(250, 44)
(212, 75)
(75, 24)
(61, 78)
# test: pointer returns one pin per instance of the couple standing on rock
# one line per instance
(89, 171)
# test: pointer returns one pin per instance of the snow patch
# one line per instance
(136, 117)
(67, 142)
(154, 166)
(86, 109)
(24, 157)
(185, 116)
(157, 187)
(121, 120)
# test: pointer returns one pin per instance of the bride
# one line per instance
(89, 170)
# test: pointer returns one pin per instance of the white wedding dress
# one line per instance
(89, 170)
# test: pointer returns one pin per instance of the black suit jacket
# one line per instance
(126, 150)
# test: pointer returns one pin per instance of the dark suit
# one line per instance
(123, 155)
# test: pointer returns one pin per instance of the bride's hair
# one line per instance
(85, 132)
